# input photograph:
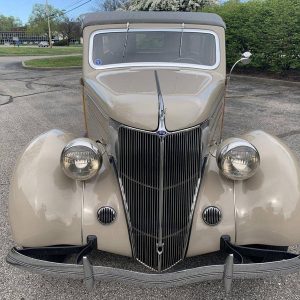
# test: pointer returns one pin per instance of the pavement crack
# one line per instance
(32, 81)
(9, 100)
(44, 92)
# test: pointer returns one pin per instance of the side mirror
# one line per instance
(245, 60)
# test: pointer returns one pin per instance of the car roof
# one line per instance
(123, 17)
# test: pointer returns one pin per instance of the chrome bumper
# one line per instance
(90, 273)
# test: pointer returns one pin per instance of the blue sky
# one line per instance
(22, 8)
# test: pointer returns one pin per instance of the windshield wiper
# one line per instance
(180, 48)
(126, 40)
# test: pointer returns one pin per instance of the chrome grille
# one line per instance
(159, 178)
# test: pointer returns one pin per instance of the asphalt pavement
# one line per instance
(34, 101)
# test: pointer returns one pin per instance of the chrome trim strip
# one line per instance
(82, 208)
(187, 238)
(119, 125)
(125, 207)
(160, 244)
(161, 131)
(164, 280)
(235, 209)
(204, 158)
(154, 64)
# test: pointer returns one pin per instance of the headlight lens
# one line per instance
(81, 159)
(237, 159)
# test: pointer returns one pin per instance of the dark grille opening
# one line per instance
(106, 215)
(139, 170)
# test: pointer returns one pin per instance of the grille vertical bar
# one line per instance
(159, 229)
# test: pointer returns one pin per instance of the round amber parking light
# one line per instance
(237, 159)
(81, 159)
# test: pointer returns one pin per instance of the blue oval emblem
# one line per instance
(98, 61)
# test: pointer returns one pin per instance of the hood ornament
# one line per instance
(161, 131)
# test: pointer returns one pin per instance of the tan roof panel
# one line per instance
(122, 17)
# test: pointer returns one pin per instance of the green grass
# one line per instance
(35, 50)
(55, 62)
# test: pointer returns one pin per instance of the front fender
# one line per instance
(48, 208)
(268, 204)
(44, 205)
(218, 191)
(264, 209)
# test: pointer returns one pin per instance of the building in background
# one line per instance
(20, 36)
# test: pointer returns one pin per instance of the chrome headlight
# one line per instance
(81, 159)
(237, 159)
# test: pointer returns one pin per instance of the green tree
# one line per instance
(69, 29)
(8, 23)
(37, 23)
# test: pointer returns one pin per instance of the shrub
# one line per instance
(61, 43)
(270, 29)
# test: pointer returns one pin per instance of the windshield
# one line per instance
(170, 46)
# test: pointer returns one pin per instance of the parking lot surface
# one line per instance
(32, 102)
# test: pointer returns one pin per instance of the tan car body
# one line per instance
(47, 208)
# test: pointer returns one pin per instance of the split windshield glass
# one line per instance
(154, 46)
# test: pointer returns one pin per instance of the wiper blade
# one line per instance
(181, 37)
(126, 40)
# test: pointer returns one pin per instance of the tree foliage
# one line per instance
(110, 5)
(270, 29)
(69, 29)
(171, 5)
(168, 5)
(38, 23)
(8, 23)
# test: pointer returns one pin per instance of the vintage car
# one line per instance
(153, 179)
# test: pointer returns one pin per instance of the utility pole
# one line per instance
(49, 28)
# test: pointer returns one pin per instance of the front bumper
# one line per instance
(227, 272)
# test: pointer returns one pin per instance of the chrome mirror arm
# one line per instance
(229, 74)
(245, 59)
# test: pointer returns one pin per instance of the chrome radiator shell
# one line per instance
(159, 177)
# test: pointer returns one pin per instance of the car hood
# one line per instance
(130, 96)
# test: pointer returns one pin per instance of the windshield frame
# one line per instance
(154, 64)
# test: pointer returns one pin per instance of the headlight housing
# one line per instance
(81, 159)
(237, 159)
